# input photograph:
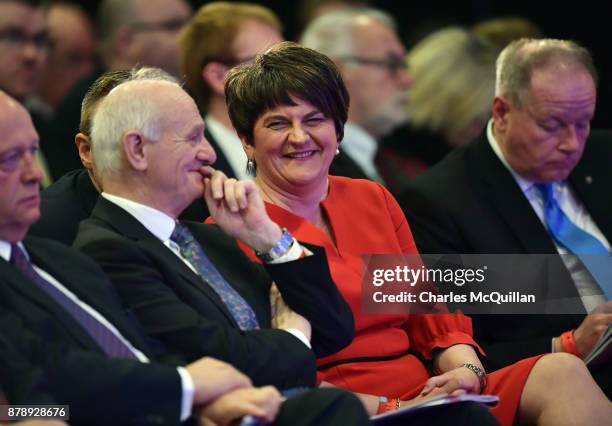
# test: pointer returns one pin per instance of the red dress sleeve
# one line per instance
(428, 331)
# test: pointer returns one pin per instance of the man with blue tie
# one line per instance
(64, 335)
(531, 184)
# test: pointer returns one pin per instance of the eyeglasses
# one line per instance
(171, 25)
(14, 38)
(394, 63)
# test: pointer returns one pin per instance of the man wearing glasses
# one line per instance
(23, 48)
(130, 33)
(220, 36)
(371, 58)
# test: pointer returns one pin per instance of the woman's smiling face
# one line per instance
(293, 145)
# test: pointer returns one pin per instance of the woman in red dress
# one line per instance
(289, 109)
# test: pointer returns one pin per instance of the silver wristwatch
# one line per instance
(279, 249)
(482, 376)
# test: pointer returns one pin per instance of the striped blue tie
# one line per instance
(110, 343)
(591, 252)
(235, 303)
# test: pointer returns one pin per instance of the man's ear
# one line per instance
(134, 143)
(213, 75)
(83, 145)
(500, 110)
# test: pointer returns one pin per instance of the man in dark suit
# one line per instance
(488, 197)
(59, 314)
(70, 199)
(131, 235)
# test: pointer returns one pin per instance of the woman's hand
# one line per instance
(435, 392)
(454, 382)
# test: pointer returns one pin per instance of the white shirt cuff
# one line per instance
(294, 253)
(188, 391)
(297, 333)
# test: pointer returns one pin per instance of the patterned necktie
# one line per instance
(192, 251)
(591, 252)
(106, 339)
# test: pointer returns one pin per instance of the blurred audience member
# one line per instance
(24, 46)
(365, 46)
(141, 32)
(71, 55)
(130, 33)
(450, 102)
(220, 36)
(309, 10)
(504, 30)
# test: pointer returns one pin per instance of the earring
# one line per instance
(337, 151)
(251, 168)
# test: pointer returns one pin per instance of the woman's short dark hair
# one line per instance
(284, 71)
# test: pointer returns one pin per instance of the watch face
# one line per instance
(280, 249)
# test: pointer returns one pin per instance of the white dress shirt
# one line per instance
(228, 141)
(186, 381)
(361, 147)
(161, 225)
(588, 289)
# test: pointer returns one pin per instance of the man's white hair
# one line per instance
(333, 33)
(125, 108)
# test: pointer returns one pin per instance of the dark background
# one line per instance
(585, 22)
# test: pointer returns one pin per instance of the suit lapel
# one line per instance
(22, 285)
(124, 223)
(591, 181)
(491, 177)
(94, 291)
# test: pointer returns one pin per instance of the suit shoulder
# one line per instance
(447, 180)
(52, 251)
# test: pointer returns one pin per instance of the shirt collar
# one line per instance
(523, 183)
(358, 143)
(157, 222)
(5, 250)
